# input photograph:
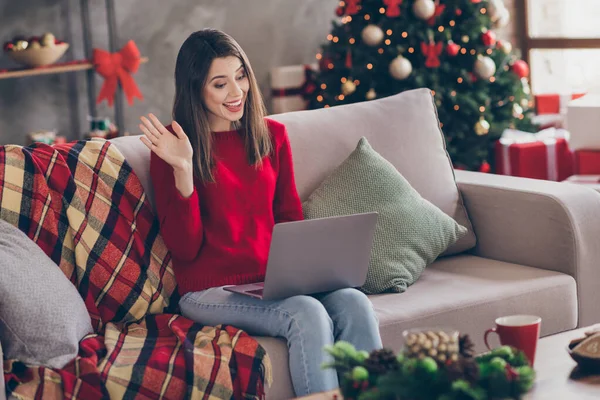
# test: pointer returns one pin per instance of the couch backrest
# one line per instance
(138, 156)
(403, 128)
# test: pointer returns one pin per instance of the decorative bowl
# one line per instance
(37, 57)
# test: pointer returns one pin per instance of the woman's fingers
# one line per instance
(148, 135)
(147, 142)
(178, 130)
(158, 125)
(150, 127)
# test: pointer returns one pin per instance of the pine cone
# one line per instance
(464, 368)
(470, 370)
(381, 361)
(466, 346)
(454, 370)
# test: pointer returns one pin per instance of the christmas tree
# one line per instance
(378, 48)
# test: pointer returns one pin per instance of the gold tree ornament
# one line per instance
(400, 68)
(372, 35)
(348, 87)
(424, 9)
(484, 67)
(482, 127)
(505, 46)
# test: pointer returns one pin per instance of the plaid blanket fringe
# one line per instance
(84, 206)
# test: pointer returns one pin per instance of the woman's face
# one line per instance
(225, 92)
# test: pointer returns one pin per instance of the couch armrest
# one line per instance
(549, 225)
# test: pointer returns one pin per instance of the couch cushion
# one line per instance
(42, 316)
(403, 128)
(411, 232)
(468, 293)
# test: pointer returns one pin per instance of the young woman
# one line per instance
(223, 176)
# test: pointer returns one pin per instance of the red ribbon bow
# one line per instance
(117, 68)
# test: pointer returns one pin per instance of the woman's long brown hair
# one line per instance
(191, 73)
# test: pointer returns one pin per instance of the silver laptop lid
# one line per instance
(319, 255)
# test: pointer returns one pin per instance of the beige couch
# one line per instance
(536, 249)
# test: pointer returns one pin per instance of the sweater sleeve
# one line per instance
(287, 206)
(179, 217)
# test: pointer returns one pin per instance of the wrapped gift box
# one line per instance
(554, 103)
(586, 162)
(583, 122)
(542, 155)
(289, 87)
(551, 109)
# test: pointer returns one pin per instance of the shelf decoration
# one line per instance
(117, 68)
(35, 51)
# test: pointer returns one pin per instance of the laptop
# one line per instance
(314, 256)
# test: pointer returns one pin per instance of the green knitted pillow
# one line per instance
(411, 232)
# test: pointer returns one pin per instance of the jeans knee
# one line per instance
(352, 299)
(310, 312)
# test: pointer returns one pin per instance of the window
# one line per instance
(561, 43)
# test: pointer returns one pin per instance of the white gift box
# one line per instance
(583, 122)
(288, 86)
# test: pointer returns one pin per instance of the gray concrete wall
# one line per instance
(272, 32)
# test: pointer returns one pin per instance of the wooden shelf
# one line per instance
(52, 69)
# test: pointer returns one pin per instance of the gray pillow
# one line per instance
(411, 232)
(42, 315)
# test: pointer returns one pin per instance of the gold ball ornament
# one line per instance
(424, 9)
(21, 45)
(35, 45)
(348, 87)
(47, 40)
(482, 127)
(371, 94)
(400, 68)
(484, 67)
(505, 46)
(372, 35)
(465, 39)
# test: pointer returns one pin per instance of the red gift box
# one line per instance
(554, 103)
(548, 159)
(551, 109)
(587, 162)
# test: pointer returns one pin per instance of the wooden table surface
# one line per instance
(556, 375)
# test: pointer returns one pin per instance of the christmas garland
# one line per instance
(412, 375)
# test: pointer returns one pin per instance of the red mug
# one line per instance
(520, 331)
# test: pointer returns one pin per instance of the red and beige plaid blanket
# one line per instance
(83, 205)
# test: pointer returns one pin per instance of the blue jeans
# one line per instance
(308, 323)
